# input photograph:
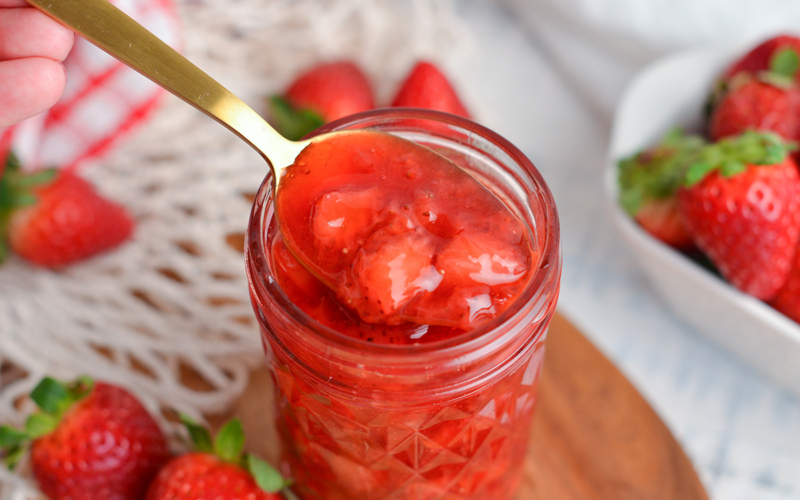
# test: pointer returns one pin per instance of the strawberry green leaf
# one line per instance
(774, 154)
(40, 424)
(674, 137)
(230, 441)
(785, 62)
(11, 437)
(697, 172)
(37, 179)
(294, 124)
(730, 168)
(201, 439)
(266, 476)
(51, 395)
(631, 201)
(23, 199)
(13, 456)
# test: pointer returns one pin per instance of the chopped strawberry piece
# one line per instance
(389, 271)
(458, 307)
(352, 163)
(480, 258)
(343, 220)
(482, 274)
(319, 302)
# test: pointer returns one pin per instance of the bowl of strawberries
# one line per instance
(703, 184)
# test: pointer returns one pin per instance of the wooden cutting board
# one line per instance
(593, 436)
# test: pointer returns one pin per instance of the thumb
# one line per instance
(28, 87)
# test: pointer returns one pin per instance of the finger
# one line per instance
(29, 33)
(28, 87)
(13, 3)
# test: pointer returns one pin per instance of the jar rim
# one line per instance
(550, 249)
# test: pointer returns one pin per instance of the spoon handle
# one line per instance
(123, 38)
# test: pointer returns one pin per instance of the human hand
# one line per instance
(32, 47)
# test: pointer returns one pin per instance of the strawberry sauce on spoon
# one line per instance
(398, 234)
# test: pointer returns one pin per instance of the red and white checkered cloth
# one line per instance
(103, 102)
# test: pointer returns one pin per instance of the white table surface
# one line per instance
(740, 429)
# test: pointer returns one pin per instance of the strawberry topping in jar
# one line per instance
(406, 347)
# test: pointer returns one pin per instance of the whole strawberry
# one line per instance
(217, 471)
(788, 299)
(322, 94)
(756, 104)
(772, 53)
(427, 87)
(648, 182)
(741, 205)
(53, 218)
(89, 442)
(759, 93)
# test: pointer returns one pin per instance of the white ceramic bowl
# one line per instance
(669, 92)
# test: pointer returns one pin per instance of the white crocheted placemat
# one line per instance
(174, 301)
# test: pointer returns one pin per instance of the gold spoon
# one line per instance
(116, 33)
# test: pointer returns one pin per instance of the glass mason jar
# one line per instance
(447, 419)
